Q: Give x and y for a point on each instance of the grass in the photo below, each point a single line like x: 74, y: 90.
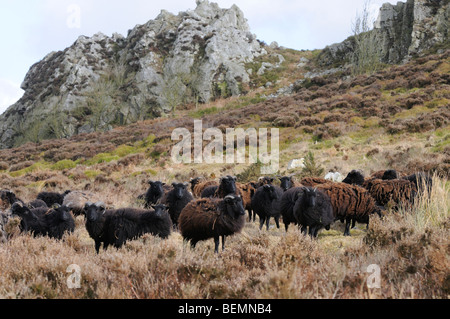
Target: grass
x: 256, y: 264
x: 410, y: 246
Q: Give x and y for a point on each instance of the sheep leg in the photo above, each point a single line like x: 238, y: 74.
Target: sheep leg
x: 347, y: 227
x: 286, y: 226
x: 97, y: 246
x: 277, y: 221
x: 268, y: 222
x: 223, y: 243
x: 304, y: 230
x: 314, y: 231
x: 216, y: 244
x: 261, y: 222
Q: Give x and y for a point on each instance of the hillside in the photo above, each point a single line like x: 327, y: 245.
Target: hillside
x: 397, y: 117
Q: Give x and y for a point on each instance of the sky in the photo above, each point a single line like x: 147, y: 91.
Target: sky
x: 29, y: 30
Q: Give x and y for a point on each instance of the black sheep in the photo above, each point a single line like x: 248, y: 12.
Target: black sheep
x: 96, y: 216
x: 287, y: 204
x: 355, y: 177
x: 226, y: 187
x: 212, y: 218
x: 52, y: 222
x: 265, y: 204
x: 155, y: 193
x: 422, y: 181
x: 7, y: 199
x: 313, y: 210
x: 131, y: 223
x: 51, y: 198
x: 390, y: 174
x: 176, y: 200
x: 288, y: 182
x: 37, y: 203
x: 209, y: 192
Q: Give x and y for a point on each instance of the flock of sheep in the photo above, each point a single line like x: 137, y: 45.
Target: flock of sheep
x: 204, y: 209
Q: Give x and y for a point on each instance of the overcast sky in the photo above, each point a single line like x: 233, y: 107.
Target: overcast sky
x: 29, y: 30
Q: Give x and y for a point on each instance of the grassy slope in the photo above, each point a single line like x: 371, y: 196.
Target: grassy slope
x: 396, y: 118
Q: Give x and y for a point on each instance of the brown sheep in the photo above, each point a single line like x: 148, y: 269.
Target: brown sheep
x: 265, y: 180
x: 212, y: 218
x: 247, y: 191
x: 399, y: 191
x: 198, y: 186
x: 351, y: 203
x: 313, y: 181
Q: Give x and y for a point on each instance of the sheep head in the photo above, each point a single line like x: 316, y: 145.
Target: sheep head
x: 179, y: 189
x: 228, y: 184
x: 61, y: 212
x: 286, y: 182
x: 270, y: 190
x: 234, y: 206
x: 354, y: 178
x: 157, y: 187
x: 22, y: 211
x: 310, y: 196
x: 160, y: 210
x: 94, y: 211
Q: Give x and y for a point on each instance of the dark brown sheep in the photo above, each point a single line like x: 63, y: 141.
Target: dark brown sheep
x: 350, y: 203
x: 212, y: 218
x: 197, y: 186
x: 399, y: 191
x: 313, y: 181
x: 265, y: 180
x: 248, y: 191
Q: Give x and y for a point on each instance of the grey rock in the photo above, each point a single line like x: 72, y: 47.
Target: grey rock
x: 401, y: 31
x: 101, y: 81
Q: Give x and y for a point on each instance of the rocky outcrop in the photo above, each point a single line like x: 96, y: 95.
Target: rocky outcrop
x: 102, y: 81
x: 401, y: 31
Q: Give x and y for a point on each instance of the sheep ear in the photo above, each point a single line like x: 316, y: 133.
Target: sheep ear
x: 18, y: 204
x: 150, y: 182
x: 101, y: 205
x: 87, y: 205
x: 228, y: 199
